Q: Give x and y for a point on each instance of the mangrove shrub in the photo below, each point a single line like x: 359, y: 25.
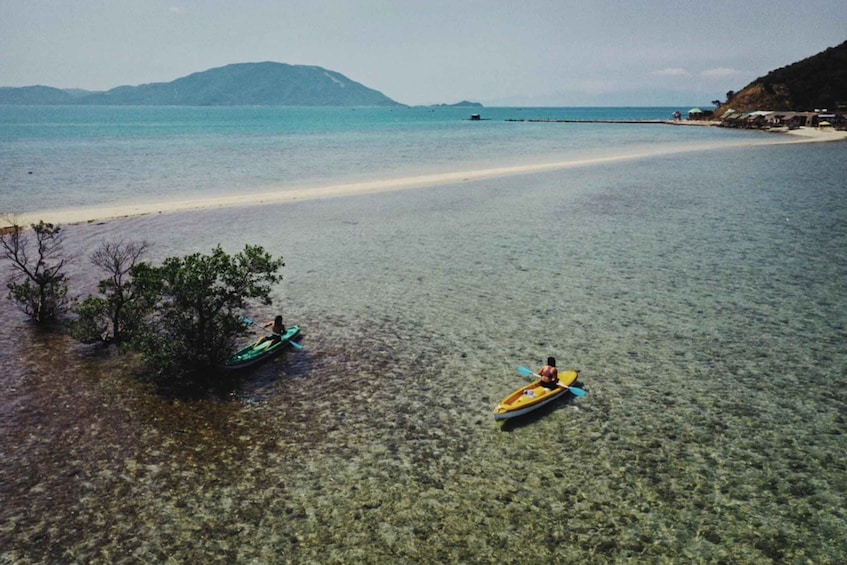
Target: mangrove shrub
x: 120, y: 312
x: 37, y: 283
x: 197, y: 316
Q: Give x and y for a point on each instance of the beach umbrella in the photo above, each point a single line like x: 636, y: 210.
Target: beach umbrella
x: 695, y: 111
x: 824, y: 123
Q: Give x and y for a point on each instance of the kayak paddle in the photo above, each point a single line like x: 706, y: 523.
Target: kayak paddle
x: 530, y: 373
x: 250, y: 322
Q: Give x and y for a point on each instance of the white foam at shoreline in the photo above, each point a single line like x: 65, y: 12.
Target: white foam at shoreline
x: 102, y: 213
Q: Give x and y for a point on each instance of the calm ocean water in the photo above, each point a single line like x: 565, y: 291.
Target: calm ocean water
x: 72, y: 157
x: 701, y: 294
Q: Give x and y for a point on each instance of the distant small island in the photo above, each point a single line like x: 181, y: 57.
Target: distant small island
x: 462, y: 104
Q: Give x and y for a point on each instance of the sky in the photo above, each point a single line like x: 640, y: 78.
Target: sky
x: 421, y: 52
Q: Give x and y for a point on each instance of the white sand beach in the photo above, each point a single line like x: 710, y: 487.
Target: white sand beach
x: 806, y: 133
x: 282, y: 194
x: 818, y: 134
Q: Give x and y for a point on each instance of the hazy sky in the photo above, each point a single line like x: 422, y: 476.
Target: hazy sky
x: 498, y: 52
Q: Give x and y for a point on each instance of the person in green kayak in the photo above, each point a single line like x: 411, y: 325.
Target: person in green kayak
x: 549, y: 374
x: 277, y: 329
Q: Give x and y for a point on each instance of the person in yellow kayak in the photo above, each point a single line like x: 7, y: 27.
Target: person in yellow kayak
x: 549, y: 374
x: 277, y: 329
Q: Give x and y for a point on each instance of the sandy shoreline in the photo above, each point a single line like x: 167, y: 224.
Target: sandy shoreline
x: 809, y: 134
x: 104, y: 213
x: 818, y: 134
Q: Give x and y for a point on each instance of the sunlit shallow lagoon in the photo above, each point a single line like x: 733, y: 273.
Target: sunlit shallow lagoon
x: 701, y: 296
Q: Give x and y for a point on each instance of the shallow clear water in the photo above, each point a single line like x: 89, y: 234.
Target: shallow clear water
x: 702, y: 298
x: 76, y: 157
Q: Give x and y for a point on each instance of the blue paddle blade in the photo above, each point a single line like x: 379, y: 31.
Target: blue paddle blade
x: 294, y: 344
x: 577, y: 391
x: 247, y: 321
x: 526, y: 372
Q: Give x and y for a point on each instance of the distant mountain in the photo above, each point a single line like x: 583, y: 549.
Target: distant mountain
x: 819, y: 81
x: 35, y: 95
x: 242, y: 84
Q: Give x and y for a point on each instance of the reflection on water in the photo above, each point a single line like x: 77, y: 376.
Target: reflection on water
x: 703, y: 305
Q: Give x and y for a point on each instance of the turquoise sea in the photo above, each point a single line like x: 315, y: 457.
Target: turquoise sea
x: 71, y: 157
x: 698, y: 285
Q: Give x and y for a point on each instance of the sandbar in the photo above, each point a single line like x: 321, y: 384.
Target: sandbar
x: 289, y: 195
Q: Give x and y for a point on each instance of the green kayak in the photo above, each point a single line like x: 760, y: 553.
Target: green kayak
x: 253, y: 353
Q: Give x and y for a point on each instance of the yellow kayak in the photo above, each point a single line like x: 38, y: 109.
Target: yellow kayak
x: 533, y: 396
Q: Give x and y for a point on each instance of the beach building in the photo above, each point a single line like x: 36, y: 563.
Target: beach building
x: 700, y: 114
x: 769, y: 119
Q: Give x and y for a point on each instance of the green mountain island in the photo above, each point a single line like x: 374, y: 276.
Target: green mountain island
x: 817, y: 82
x: 241, y: 84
